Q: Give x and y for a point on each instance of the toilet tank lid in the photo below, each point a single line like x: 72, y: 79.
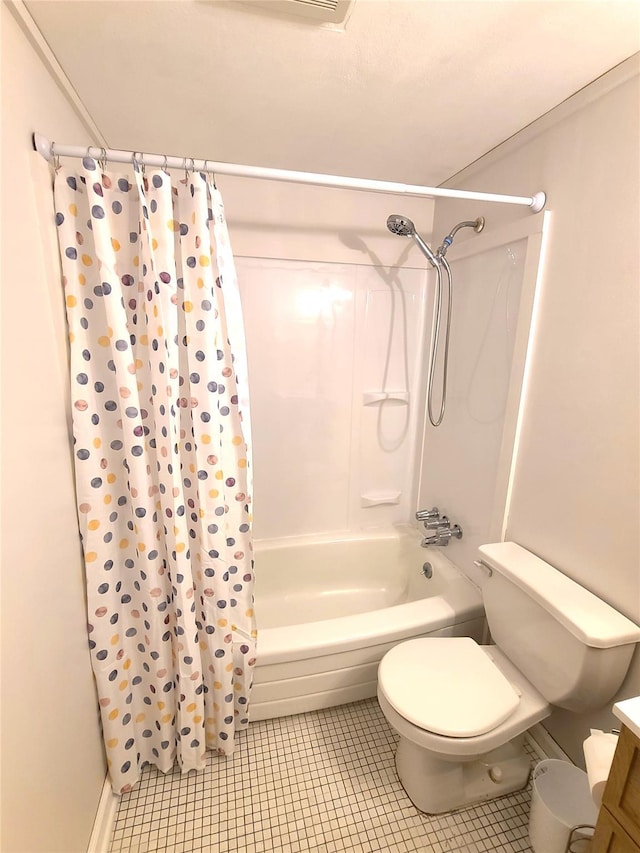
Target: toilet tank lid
x: 587, y: 617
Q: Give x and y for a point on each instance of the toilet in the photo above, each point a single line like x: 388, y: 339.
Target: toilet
x: 461, y: 709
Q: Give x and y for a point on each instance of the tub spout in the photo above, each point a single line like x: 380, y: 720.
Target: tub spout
x: 434, y: 540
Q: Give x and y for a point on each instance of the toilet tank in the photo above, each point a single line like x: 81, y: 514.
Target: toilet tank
x: 572, y: 646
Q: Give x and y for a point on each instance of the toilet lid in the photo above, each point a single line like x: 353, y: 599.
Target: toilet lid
x: 448, y: 686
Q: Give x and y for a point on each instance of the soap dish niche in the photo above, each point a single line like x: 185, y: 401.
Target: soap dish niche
x: 378, y: 498
x: 371, y: 398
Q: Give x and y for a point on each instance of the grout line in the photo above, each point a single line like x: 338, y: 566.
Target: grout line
x: 323, y: 782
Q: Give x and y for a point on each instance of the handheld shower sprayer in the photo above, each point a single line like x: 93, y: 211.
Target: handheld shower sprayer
x: 404, y: 227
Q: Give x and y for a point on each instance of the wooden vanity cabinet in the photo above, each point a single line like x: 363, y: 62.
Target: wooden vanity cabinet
x: 618, y: 826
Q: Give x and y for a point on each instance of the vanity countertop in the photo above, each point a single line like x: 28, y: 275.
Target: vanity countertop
x: 628, y: 711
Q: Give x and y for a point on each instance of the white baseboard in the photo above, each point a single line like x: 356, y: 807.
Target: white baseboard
x: 105, y: 819
x: 544, y: 744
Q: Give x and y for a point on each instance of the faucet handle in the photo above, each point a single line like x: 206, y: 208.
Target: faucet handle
x: 440, y: 523
x: 442, y: 536
x: 424, y: 514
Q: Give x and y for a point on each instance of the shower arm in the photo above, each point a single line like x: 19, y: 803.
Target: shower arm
x: 476, y: 224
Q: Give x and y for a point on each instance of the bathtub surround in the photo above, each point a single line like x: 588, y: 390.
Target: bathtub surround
x: 339, y: 366
x: 497, y: 277
x: 322, y: 782
x: 161, y: 462
x: 335, y: 371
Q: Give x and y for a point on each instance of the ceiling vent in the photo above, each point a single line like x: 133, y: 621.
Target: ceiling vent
x: 332, y: 12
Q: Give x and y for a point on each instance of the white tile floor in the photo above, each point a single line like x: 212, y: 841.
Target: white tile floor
x: 323, y: 782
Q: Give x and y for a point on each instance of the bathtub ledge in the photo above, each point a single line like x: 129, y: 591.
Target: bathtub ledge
x: 461, y: 602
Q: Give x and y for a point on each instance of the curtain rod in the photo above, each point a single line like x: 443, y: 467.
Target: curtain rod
x: 51, y: 150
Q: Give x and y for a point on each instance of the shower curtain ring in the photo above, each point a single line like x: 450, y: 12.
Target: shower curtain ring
x: 55, y: 159
x: 138, y: 162
x: 211, y: 172
x: 164, y: 165
x: 207, y: 171
x: 102, y: 162
x: 186, y: 168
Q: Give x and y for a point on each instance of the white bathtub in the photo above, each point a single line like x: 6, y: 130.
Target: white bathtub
x: 328, y: 609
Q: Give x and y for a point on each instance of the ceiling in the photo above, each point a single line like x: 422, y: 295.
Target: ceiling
x: 410, y: 90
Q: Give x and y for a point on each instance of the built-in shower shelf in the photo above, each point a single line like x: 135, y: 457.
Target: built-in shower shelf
x: 378, y: 498
x: 370, y: 398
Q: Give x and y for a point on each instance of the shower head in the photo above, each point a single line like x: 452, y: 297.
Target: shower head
x: 404, y: 227
x: 400, y: 225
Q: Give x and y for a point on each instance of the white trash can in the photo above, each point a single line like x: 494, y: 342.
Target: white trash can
x: 560, y: 800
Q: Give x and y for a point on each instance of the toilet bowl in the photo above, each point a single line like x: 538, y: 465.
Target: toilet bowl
x: 461, y: 723
x: 461, y: 710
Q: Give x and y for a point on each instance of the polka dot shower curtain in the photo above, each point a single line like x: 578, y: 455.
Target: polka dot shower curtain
x: 161, y: 462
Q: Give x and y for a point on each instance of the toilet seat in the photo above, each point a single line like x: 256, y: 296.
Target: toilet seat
x: 448, y: 686
x: 531, y: 709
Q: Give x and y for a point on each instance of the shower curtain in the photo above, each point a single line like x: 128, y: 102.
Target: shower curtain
x: 161, y: 456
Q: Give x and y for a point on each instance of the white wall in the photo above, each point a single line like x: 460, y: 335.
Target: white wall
x: 576, y: 490
x: 52, y: 761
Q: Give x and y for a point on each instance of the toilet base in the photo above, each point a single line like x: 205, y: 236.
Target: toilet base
x: 435, y: 786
